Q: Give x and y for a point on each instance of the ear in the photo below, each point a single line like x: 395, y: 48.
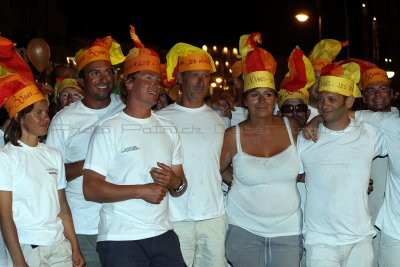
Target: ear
x: 349, y: 101
x: 128, y: 83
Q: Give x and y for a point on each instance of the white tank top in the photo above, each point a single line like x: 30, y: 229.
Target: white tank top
x: 263, y: 198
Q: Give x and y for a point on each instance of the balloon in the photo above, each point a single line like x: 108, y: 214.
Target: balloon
x: 38, y: 53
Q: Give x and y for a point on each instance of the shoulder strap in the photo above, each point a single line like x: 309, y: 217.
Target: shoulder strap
x: 237, y: 131
x: 289, y: 129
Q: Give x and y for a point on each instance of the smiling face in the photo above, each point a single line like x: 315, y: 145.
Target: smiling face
x: 97, y: 82
x: 260, y: 101
x: 35, y: 123
x: 333, y: 108
x: 377, y: 96
x: 144, y: 88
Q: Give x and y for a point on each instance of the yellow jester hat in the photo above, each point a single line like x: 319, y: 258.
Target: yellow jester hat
x: 184, y: 57
x: 258, y: 65
x: 325, y: 52
x: 340, y: 79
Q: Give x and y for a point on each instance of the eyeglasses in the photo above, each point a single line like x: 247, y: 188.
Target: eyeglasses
x: 291, y: 108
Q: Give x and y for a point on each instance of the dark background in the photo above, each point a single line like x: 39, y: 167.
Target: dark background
x: 68, y: 25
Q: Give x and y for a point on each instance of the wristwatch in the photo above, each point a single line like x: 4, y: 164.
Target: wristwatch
x: 180, y: 187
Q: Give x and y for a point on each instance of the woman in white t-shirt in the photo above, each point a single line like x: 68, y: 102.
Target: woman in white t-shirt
x: 35, y: 218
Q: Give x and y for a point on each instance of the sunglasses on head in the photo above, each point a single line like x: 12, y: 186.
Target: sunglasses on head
x: 291, y: 108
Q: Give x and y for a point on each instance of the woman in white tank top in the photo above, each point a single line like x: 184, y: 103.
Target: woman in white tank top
x: 263, y: 204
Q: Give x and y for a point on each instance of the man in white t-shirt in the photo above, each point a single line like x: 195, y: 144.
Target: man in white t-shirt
x: 337, y: 224
x: 322, y: 54
x: 199, y: 215
x: 388, y: 218
x: 133, y: 166
x: 377, y: 95
x: 70, y: 131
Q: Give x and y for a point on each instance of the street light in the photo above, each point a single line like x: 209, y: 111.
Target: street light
x: 389, y: 72
x: 302, y: 17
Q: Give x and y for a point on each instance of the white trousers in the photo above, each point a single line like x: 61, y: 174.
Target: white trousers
x: 203, y: 242
x: 359, y: 254
x: 389, y: 251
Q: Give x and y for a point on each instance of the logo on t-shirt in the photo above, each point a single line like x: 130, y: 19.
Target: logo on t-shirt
x: 52, y: 170
x: 130, y: 148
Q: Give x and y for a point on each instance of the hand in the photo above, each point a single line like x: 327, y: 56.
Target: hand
x: 224, y: 104
x: 310, y: 131
x: 226, y: 110
x: 154, y: 193
x: 165, y: 176
x: 227, y: 105
x: 77, y: 259
x: 370, y: 185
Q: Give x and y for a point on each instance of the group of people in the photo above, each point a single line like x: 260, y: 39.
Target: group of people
x: 133, y: 180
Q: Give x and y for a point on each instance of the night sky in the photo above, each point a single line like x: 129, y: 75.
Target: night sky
x: 217, y: 22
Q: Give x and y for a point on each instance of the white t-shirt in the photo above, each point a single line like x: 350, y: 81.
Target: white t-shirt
x: 3, y: 252
x: 301, y: 187
x: 337, y: 169
x: 313, y: 112
x: 388, y: 123
x: 69, y: 132
x: 34, y: 175
x: 1, y: 138
x: 202, y: 133
x: 124, y: 149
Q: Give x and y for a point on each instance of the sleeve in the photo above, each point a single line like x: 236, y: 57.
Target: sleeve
x: 380, y: 144
x: 299, y: 146
x: 56, y: 135
x: 101, y: 151
x: 5, y: 173
x: 387, y: 122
